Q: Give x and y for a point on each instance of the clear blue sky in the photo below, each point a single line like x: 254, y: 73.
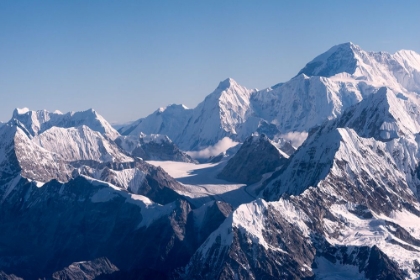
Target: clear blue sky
x: 127, y: 58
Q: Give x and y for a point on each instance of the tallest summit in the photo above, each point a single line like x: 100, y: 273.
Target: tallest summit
x: 340, y: 58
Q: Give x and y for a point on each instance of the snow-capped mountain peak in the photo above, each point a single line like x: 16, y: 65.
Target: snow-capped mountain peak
x: 222, y: 112
x: 228, y: 92
x: 399, y: 71
x: 225, y: 84
x: 338, y: 59
x: 172, y: 108
x: 20, y: 111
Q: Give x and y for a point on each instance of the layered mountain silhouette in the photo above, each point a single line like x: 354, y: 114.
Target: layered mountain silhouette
x: 81, y: 200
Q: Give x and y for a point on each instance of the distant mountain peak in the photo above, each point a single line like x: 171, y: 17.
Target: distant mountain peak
x: 228, y: 83
x: 338, y: 59
x: 172, y: 108
x: 38, y: 121
x: 21, y: 111
x: 399, y: 71
x: 89, y: 111
x: 343, y: 48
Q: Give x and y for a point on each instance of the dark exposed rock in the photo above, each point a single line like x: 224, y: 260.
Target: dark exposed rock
x: 85, y: 270
x: 155, y: 183
x: 165, y: 150
x: 371, y: 262
x: 215, y: 212
x: 4, y: 276
x: 256, y: 157
x: 82, y: 220
x: 152, y: 147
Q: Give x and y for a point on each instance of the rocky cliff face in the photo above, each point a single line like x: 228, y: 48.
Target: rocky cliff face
x: 86, y: 270
x: 48, y: 228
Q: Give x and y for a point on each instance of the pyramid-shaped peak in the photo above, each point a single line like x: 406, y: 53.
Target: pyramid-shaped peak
x: 228, y: 83
x: 340, y: 49
x: 349, y: 45
x: 338, y: 59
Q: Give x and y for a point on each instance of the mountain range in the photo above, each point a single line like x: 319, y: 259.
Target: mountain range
x: 81, y: 200
x: 322, y: 90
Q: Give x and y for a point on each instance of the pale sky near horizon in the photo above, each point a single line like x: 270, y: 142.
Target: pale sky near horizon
x: 128, y: 58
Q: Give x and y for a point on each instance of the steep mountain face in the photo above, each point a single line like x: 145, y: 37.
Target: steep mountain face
x: 152, y: 147
x: 222, y: 113
x: 305, y: 102
x: 347, y: 201
x: 86, y: 270
x: 257, y: 156
x: 79, y: 143
x: 383, y: 125
x: 281, y: 245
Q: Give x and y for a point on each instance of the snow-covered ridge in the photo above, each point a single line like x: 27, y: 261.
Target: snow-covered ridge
x: 169, y: 120
x: 42, y: 146
x: 38, y: 121
x: 322, y: 90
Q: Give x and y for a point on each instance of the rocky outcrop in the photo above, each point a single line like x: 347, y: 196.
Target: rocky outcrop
x: 152, y: 147
x: 86, y: 270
